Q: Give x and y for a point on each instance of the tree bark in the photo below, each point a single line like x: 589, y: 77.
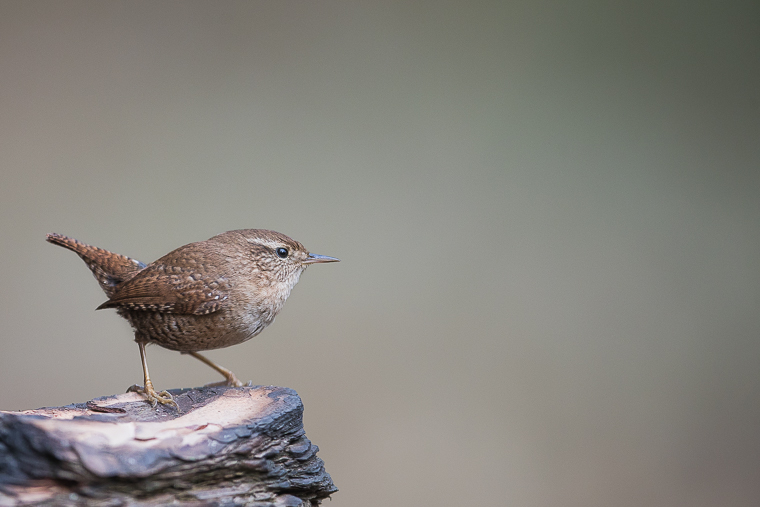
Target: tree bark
x: 228, y: 446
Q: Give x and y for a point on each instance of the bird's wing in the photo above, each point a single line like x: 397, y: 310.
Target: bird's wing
x: 171, y: 289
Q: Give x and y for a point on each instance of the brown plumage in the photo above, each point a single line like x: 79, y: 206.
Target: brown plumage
x: 202, y: 296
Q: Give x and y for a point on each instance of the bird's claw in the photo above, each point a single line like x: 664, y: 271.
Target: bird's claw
x: 230, y: 381
x: 153, y: 397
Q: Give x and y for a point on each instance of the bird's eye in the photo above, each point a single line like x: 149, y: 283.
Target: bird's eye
x: 282, y: 252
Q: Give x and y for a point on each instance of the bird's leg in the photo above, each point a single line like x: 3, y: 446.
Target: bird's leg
x: 150, y: 394
x: 231, y: 379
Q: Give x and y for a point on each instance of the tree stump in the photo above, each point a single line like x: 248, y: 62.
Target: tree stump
x: 228, y: 446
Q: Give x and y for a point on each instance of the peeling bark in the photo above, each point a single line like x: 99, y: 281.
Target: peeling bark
x: 229, y: 446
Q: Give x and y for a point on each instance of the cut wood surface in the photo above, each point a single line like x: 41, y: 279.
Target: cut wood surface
x: 228, y: 446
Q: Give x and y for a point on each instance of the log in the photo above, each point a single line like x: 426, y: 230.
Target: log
x: 228, y: 446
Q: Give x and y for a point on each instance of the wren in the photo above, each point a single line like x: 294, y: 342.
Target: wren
x: 202, y: 296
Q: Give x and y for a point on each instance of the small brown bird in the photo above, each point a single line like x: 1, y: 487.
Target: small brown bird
x: 202, y: 296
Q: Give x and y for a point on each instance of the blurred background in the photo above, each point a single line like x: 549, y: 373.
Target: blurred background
x: 548, y: 216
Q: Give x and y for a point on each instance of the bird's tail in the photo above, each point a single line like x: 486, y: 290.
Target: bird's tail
x: 109, y: 268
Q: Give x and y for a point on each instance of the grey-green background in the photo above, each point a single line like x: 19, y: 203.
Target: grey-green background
x: 548, y: 215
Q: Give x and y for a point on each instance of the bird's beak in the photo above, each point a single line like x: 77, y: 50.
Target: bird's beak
x: 316, y: 258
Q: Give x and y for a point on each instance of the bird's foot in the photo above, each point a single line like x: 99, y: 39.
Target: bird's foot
x: 154, y: 397
x: 230, y: 381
